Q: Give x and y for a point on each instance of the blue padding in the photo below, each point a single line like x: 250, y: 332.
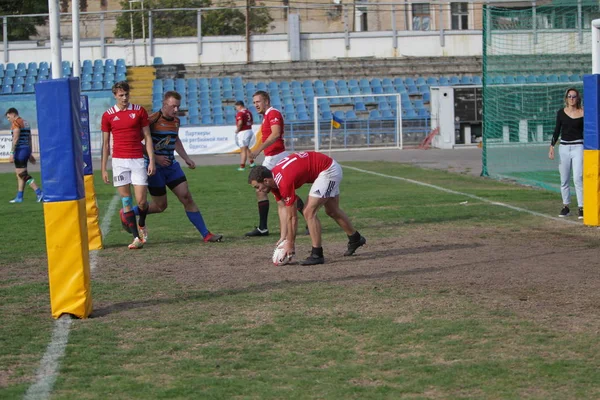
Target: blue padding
x: 591, y: 122
x: 85, y: 136
x: 59, y: 128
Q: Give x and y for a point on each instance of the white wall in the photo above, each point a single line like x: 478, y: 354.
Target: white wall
x: 265, y: 48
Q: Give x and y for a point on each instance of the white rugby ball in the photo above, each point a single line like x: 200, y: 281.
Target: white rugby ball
x: 279, y: 256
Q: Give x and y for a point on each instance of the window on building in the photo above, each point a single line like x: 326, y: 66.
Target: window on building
x: 421, y: 20
x: 460, y: 15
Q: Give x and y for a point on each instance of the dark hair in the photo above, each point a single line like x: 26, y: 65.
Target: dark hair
x: 578, y: 104
x: 239, y: 103
x: 264, y: 94
x: 173, y: 94
x: 11, y: 110
x: 259, y: 174
x: 120, y: 85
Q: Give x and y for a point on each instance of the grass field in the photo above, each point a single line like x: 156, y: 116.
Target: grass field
x: 452, y: 298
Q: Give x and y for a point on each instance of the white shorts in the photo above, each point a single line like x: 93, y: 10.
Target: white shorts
x: 271, y: 161
x: 243, y: 138
x: 327, y: 183
x: 129, y: 170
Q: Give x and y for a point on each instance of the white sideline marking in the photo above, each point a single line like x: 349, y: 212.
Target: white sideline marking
x: 472, y: 196
x: 48, y: 370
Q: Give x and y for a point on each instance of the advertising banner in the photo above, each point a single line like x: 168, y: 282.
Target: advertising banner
x: 211, y: 139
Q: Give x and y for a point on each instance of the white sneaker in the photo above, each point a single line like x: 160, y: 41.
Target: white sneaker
x: 143, y: 231
x: 136, y: 244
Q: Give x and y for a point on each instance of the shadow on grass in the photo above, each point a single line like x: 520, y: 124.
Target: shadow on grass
x: 259, y: 288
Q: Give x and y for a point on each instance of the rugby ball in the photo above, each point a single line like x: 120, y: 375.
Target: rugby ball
x: 279, y: 256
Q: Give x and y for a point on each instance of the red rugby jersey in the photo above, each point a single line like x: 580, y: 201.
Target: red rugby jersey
x: 246, y: 117
x: 295, y: 170
x: 272, y: 117
x: 126, y: 129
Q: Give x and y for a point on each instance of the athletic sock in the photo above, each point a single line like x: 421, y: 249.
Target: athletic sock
x: 136, y: 210
x: 242, y: 165
x: 300, y: 205
x: 196, y: 219
x: 355, y: 237
x: 19, y: 195
x: 317, y: 251
x: 130, y: 218
x: 263, y: 214
x: 38, y: 191
x: 143, y: 213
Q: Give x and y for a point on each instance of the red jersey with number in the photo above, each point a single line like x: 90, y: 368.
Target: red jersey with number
x: 246, y: 117
x: 126, y: 129
x: 272, y: 117
x: 295, y: 170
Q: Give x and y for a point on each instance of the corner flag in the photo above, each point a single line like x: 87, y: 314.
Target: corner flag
x: 336, y: 122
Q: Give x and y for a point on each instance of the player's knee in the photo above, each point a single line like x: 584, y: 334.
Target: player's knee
x: 24, y: 175
x: 186, y: 198
x: 143, y: 204
x: 160, y: 205
x: 332, y: 213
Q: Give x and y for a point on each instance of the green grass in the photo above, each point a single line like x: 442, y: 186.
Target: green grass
x: 336, y: 332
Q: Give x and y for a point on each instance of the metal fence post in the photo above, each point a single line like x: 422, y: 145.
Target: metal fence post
x: 199, y: 25
x: 394, y: 31
x: 441, y: 16
x: 346, y: 33
x: 5, y: 37
x: 102, y: 37
x: 150, y: 33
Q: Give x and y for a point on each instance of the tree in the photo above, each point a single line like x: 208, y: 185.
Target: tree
x: 230, y: 21
x: 20, y: 28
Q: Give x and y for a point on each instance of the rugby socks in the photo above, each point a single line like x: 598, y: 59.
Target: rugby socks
x: 136, y: 210
x: 19, y: 195
x: 263, y: 214
x: 300, y: 205
x: 38, y: 191
x: 242, y: 165
x: 130, y: 218
x: 317, y: 251
x: 196, y: 219
x: 142, y: 213
x: 355, y: 237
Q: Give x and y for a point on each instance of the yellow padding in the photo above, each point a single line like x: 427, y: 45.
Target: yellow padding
x: 591, y: 187
x: 68, y: 258
x: 91, y: 207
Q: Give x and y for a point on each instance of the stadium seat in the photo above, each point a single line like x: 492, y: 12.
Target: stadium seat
x: 196, y: 121
x: 387, y: 114
x: 426, y: 97
x: 360, y: 106
x: 444, y: 81
x: 389, y: 89
x: 120, y: 76
x: 531, y: 79
x: 6, y: 89
x: 424, y: 113
x: 22, y: 72
x: 374, y: 114
x: 378, y: 90
x: 383, y: 105
x: 19, y: 80
x: 350, y: 115
x: 157, y: 61
x: 237, y: 82
x: 97, y: 86
x: 326, y: 115
x: 541, y: 79
x: 182, y: 119
x: 307, y: 84
x: 575, y: 78
x: 508, y: 79
x: 477, y: 80
x: 339, y: 114
x: 454, y: 80
x: 552, y: 78
x: 28, y: 88
x: 432, y: 81
x: 352, y: 83
x: 466, y: 80
x: 218, y: 119
x: 18, y: 89
x: 420, y: 81
x: 303, y: 116
x: 108, y: 85
x: 8, y: 81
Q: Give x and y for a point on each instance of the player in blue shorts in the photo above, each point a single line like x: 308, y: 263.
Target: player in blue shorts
x: 164, y: 127
x: 20, y: 154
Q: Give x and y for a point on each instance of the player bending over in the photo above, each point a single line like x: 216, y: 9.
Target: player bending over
x: 291, y: 173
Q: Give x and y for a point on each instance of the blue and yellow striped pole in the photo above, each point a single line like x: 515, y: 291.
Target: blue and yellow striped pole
x: 591, y: 150
x: 93, y: 227
x: 61, y: 158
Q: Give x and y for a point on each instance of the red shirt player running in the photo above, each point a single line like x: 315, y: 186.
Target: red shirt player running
x: 291, y: 173
x: 128, y: 124
x: 243, y: 133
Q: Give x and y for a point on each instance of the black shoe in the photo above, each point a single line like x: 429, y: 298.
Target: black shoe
x: 258, y: 232
x: 313, y: 259
x: 580, y: 215
x: 565, y: 212
x: 352, y: 246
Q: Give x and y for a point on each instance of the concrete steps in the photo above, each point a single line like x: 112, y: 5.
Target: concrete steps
x: 339, y: 69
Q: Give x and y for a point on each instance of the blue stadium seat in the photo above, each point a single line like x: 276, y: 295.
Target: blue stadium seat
x: 387, y: 114
x: 21, y: 65
x: 509, y: 79
x: 389, y: 89
x: 109, y: 62
x: 157, y: 61
x: 350, y: 115
x: 363, y: 83
x: 326, y: 115
x: 541, y: 79
x: 339, y: 114
x: 295, y: 85
x: 454, y: 80
x: 383, y: 105
x: 552, y: 78
x: 496, y: 80
x: 575, y: 78
x: 477, y: 80
x: 431, y: 81
x: 10, y: 67
x: 378, y: 90
x: 409, y: 81
x: 360, y: 106
x: 413, y: 90
x: 1, y: 70
x: 120, y: 76
x: 6, y: 89
x: 444, y: 81
x: 250, y: 87
x: 426, y: 98
x: 237, y: 82
x: 22, y: 72
x: 374, y: 114
x: 352, y: 83
x: 420, y: 81
x: 261, y: 86
x: 18, y: 89
x: 273, y: 86
x: 531, y: 79
x: 218, y: 119
x: 196, y: 121
x: 86, y: 63
x: 330, y: 83
x: 466, y: 80
x: 28, y: 88
x: 230, y: 119
x: 424, y: 113
x: 301, y: 108
x: 108, y: 85
x: 303, y: 116
x: 97, y: 63
x: 284, y: 85
x: 182, y: 119
x: 409, y: 113
x: 193, y: 110
x: 97, y: 85
x: 19, y: 80
x: 8, y: 81
x: 307, y: 84
x: 121, y: 69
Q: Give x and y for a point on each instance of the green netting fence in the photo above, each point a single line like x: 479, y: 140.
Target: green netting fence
x: 531, y: 56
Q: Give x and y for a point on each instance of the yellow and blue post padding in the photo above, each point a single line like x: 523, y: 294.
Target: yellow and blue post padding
x: 61, y: 159
x: 591, y: 150
x: 91, y: 206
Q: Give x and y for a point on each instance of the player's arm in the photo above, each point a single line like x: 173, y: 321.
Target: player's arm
x: 183, y: 154
x: 16, y: 134
x: 291, y: 216
x: 557, y: 129
x: 273, y: 137
x: 105, y: 152
x: 239, y: 123
x: 149, y: 149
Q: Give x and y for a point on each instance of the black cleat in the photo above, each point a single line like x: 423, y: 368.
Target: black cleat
x: 580, y: 214
x: 313, y: 260
x: 352, y: 246
x: 258, y: 232
x: 565, y: 212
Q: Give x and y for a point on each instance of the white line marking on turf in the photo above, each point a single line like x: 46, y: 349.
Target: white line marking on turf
x: 48, y: 370
x: 472, y: 196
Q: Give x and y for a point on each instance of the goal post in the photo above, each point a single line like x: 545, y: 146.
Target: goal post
x: 369, y: 121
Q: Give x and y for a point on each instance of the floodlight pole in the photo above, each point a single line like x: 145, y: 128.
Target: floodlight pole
x: 595, y: 46
x: 75, y: 29
x: 54, y: 22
